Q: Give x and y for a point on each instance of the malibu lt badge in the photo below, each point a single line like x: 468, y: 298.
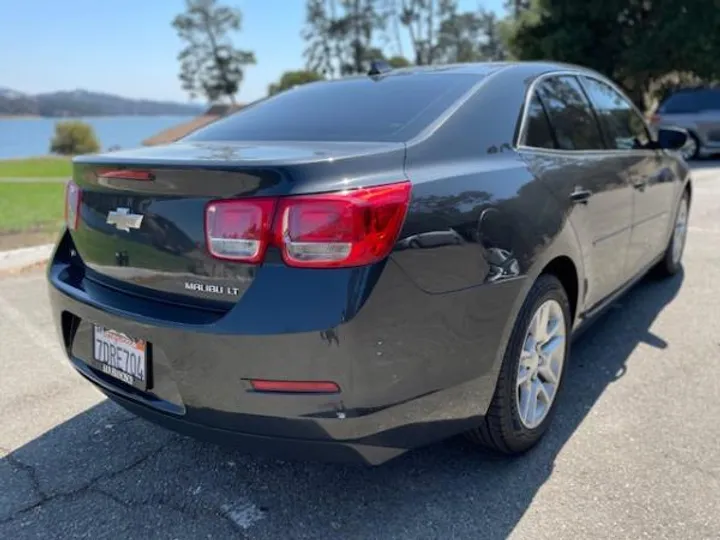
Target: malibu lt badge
x: 123, y: 219
x: 211, y: 289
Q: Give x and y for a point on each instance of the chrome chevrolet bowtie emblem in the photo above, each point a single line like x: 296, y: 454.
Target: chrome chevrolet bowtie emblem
x: 124, y: 220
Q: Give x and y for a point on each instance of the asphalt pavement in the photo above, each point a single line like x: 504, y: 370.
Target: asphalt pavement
x: 634, y: 451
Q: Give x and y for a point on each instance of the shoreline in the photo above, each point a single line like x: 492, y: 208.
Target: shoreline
x: 91, y: 116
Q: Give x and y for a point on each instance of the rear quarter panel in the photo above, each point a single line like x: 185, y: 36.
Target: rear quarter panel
x: 467, y: 178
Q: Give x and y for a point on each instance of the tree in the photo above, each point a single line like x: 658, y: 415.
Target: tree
x: 634, y: 43
x: 340, y: 35
x: 290, y: 79
x: 493, y: 46
x: 469, y: 37
x: 210, y: 64
x: 422, y: 18
x: 516, y: 7
x: 398, y: 61
x: 73, y: 137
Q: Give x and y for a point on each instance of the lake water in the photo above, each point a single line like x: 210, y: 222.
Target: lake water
x: 26, y: 137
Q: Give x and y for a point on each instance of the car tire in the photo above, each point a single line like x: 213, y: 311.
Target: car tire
x: 672, y: 259
x: 503, y: 428
x: 693, y: 150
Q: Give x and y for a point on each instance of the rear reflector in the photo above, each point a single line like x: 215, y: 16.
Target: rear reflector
x: 349, y: 228
x: 73, y: 196
x: 308, y: 387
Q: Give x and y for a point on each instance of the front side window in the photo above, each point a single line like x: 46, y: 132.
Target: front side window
x: 570, y: 114
x: 623, y: 127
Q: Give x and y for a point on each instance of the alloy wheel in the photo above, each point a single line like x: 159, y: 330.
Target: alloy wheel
x: 680, y: 232
x: 690, y: 149
x: 541, y: 364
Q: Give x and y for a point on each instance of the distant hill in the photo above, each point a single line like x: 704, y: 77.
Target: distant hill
x: 85, y: 103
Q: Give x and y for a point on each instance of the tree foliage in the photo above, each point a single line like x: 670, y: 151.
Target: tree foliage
x: 636, y: 43
x: 471, y: 36
x: 343, y: 36
x: 422, y: 19
x: 210, y: 65
x: 398, y: 61
x: 73, y: 137
x: 340, y: 35
x: 290, y: 79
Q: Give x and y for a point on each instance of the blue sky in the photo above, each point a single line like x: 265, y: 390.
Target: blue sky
x: 128, y: 47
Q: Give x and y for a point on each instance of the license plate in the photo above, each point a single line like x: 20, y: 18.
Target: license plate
x: 120, y: 356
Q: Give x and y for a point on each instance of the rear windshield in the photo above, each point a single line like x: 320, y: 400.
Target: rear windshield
x: 691, y: 102
x: 391, y: 109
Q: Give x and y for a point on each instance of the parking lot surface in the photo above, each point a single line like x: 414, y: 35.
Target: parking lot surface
x: 634, y: 451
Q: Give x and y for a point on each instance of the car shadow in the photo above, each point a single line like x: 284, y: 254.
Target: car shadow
x: 705, y: 163
x: 441, y: 491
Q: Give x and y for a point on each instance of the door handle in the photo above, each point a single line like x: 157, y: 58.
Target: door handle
x: 580, y: 195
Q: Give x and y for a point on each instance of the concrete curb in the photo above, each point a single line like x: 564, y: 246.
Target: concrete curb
x: 15, y: 259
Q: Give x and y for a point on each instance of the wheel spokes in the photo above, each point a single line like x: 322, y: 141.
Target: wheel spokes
x: 540, y: 363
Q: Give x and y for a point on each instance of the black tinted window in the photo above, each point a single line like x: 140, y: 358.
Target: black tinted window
x: 622, y: 125
x: 537, y: 129
x: 570, y: 114
x: 691, y: 102
x: 392, y: 109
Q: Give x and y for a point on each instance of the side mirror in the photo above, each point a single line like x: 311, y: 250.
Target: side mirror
x: 672, y: 138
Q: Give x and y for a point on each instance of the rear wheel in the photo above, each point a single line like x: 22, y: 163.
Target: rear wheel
x: 532, y: 372
x: 672, y: 260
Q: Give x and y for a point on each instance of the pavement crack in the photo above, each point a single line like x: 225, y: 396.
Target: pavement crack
x: 69, y: 495
x: 130, y: 466
x: 194, y: 513
x: 29, y: 470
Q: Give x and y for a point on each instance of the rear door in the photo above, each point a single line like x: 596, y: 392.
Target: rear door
x: 646, y: 169
x: 585, y: 177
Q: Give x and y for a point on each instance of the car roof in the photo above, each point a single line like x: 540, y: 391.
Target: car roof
x: 482, y: 69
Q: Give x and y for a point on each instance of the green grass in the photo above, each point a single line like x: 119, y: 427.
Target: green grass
x: 31, y: 206
x: 39, y: 167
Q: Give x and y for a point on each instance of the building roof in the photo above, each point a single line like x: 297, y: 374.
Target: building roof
x: 179, y: 131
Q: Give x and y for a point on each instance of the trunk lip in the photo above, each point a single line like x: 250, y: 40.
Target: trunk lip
x: 200, y: 154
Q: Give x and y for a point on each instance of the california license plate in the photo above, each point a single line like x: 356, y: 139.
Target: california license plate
x: 120, y: 356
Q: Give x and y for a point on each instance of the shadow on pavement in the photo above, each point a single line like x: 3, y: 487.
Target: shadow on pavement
x: 705, y: 163
x: 106, y: 473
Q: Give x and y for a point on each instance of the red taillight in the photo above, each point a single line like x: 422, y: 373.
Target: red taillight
x: 352, y: 228
x: 125, y: 174
x: 73, y: 195
x: 317, y: 387
x: 239, y: 230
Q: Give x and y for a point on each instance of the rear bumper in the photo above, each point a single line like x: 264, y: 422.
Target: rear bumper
x: 413, y: 368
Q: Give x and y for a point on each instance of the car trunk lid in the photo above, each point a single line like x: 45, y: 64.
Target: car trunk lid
x: 141, y: 226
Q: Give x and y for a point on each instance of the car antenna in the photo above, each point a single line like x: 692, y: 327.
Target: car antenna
x: 378, y: 67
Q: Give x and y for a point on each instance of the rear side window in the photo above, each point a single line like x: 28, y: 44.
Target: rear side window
x: 538, y: 133
x: 570, y: 114
x: 390, y: 109
x: 693, y: 101
x: 623, y: 127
